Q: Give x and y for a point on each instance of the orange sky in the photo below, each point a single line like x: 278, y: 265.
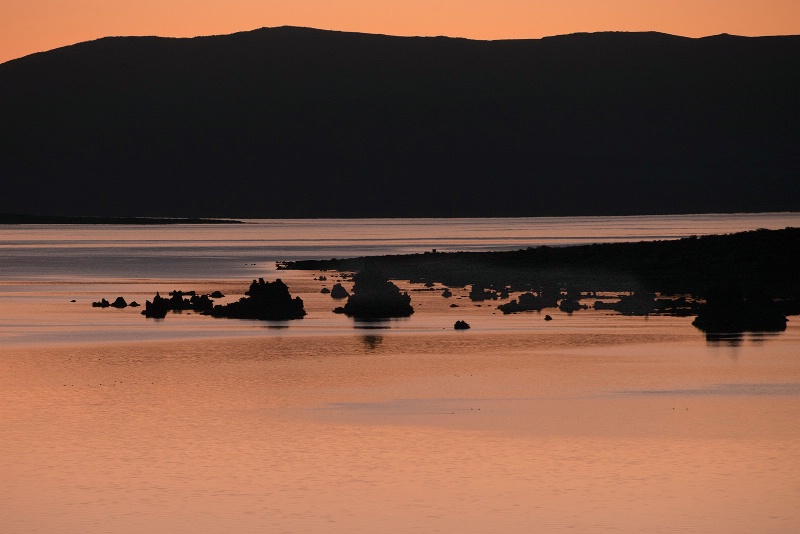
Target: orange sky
x: 28, y: 26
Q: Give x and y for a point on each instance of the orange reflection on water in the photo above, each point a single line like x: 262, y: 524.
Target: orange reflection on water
x: 384, y: 430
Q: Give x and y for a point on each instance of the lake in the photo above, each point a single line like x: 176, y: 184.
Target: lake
x: 591, y: 422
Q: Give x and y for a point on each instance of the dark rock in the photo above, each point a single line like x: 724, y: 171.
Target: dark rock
x: 637, y: 303
x: 119, y: 303
x: 527, y: 302
x: 103, y: 303
x: 447, y: 293
x: 571, y: 302
x: 479, y: 294
x: 570, y: 306
x: 134, y: 304
x: 266, y: 301
x: 374, y: 297
x: 461, y: 325
x: 454, y: 305
x: 548, y: 318
x: 158, y: 308
x: 729, y: 311
x: 339, y: 292
x: 550, y: 295
x: 73, y: 300
x: 339, y: 309
x: 216, y: 295
x: 201, y: 303
x: 325, y: 291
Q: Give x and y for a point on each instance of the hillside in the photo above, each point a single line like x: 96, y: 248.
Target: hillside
x: 293, y: 122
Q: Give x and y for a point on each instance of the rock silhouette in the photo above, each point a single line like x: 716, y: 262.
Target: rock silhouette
x: 461, y: 325
x: 158, y: 308
x: 525, y: 302
x: 266, y: 301
x: 339, y: 292
x: 731, y: 311
x: 479, y: 294
x: 374, y: 297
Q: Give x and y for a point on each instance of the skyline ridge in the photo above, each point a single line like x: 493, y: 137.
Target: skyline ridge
x: 452, y: 37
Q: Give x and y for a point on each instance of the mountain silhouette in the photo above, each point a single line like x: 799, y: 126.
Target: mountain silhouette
x: 296, y: 122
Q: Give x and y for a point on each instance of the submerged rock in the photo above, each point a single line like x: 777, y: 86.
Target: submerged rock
x: 266, y: 301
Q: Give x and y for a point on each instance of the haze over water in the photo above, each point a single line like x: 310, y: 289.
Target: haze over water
x: 588, y: 423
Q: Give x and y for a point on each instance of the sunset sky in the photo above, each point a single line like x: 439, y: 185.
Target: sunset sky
x: 28, y: 26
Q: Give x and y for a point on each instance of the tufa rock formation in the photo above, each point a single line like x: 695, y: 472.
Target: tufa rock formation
x: 266, y: 301
x: 374, y: 297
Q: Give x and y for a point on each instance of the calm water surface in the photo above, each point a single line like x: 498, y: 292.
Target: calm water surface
x: 588, y: 423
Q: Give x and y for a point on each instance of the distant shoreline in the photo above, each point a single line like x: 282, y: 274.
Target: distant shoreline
x: 13, y: 218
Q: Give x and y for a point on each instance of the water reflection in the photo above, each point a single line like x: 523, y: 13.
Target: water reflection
x: 372, y: 342
x: 736, y: 339
x: 729, y: 339
x: 372, y: 324
x: 757, y: 338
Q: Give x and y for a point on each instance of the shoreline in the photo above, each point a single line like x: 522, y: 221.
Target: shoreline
x: 15, y: 218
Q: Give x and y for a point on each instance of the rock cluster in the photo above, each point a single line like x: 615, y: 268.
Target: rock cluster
x: 119, y: 302
x: 159, y: 306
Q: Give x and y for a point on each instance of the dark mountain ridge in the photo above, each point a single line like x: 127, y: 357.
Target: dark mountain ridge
x: 294, y: 122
